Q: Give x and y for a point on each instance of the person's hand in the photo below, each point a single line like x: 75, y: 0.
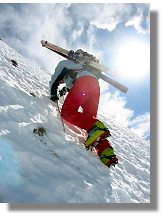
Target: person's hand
x: 54, y: 98
x: 63, y: 91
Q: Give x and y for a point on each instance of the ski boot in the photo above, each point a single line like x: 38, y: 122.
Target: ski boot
x: 97, y: 139
x: 106, y: 152
x: 98, y: 130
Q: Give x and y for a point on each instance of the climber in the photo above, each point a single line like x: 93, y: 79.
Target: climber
x: 84, y: 91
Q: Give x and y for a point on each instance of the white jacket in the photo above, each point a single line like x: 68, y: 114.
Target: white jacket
x: 71, y: 66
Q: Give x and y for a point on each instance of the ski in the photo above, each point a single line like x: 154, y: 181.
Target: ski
x: 86, y: 59
x: 114, y: 83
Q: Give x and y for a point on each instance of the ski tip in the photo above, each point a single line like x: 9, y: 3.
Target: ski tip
x: 125, y: 89
x: 43, y: 42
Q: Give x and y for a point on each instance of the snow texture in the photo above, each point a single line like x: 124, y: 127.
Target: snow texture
x: 56, y: 168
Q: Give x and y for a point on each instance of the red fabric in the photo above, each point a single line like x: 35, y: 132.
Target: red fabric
x: 85, y: 93
x: 103, y: 144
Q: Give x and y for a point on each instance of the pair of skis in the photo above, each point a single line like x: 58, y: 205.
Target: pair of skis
x: 85, y: 59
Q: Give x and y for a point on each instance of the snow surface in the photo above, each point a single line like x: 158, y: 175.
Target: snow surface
x: 56, y: 168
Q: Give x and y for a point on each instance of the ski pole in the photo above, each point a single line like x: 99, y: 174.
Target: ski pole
x: 60, y: 116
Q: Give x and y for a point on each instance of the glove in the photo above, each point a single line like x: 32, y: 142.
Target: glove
x: 63, y: 91
x: 54, y: 98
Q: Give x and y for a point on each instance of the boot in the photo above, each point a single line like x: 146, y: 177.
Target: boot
x: 106, y: 152
x: 98, y: 130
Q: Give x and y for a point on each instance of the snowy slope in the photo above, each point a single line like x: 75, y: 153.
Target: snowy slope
x: 56, y: 168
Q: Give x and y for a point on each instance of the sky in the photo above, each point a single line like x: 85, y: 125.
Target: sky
x: 118, y: 34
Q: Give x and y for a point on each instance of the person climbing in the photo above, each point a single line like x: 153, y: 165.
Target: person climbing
x: 84, y: 92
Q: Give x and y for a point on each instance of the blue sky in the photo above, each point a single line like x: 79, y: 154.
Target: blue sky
x: 116, y: 33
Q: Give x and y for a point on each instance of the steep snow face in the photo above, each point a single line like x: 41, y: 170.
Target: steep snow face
x: 55, y: 168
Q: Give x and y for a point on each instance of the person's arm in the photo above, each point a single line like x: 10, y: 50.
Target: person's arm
x: 57, y: 82
x: 61, y: 70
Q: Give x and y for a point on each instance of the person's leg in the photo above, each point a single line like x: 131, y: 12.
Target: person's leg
x: 85, y: 93
x: 90, y: 108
